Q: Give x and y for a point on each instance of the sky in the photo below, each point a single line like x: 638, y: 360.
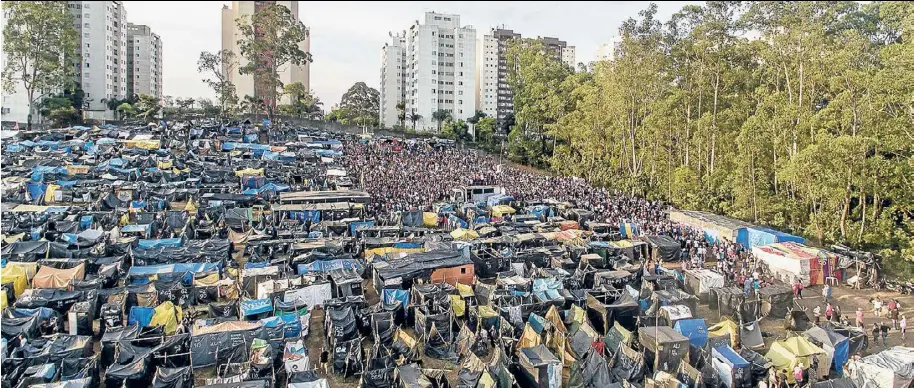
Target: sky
x: 346, y: 37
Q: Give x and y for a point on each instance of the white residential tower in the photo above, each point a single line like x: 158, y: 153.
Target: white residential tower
x: 144, y: 61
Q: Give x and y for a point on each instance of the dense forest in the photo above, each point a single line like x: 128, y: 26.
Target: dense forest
x: 796, y: 115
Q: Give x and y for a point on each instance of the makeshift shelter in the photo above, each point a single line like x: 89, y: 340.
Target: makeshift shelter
x: 788, y: 353
x: 226, y: 342
x: 890, y: 368
x: 49, y: 277
x: 664, y: 348
x: 754, y: 236
x: 694, y: 329
x: 790, y: 261
x: 699, y: 282
x: 663, y: 248
x: 733, y: 370
x: 834, y: 344
x: 715, y: 227
x: 541, y: 367
x: 15, y: 275
x: 776, y: 300
x: 461, y: 234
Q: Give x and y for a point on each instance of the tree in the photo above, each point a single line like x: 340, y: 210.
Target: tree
x: 485, y: 130
x: 184, y: 106
x: 414, y: 118
x: 39, y: 41
x: 209, y: 108
x: 302, y: 102
x: 218, y: 67
x: 252, y: 105
x: 457, y: 130
x: 147, y: 107
x: 270, y: 39
x: 58, y: 108
x: 440, y: 116
x: 362, y: 103
x: 125, y: 110
x: 401, y: 113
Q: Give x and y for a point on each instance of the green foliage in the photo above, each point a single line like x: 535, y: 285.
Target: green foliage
x: 485, y: 130
x: 456, y: 130
x: 252, y: 105
x: 414, y: 118
x: 218, y: 66
x: 360, y: 105
x: 302, y: 102
x: 39, y: 41
x: 125, y: 110
x: 270, y: 39
x: 807, y: 129
x: 440, y: 116
x: 147, y: 107
x: 540, y: 99
x: 59, y: 110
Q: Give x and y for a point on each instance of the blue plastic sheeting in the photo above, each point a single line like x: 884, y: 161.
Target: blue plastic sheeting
x: 406, y: 245
x: 70, y: 238
x: 541, y: 212
x: 599, y: 244
x: 138, y: 204
x: 712, y: 236
x: 330, y: 153
x: 328, y: 265
x: 391, y: 296
x: 734, y: 359
x: 256, y: 306
x: 481, y: 220
x: 757, y: 236
x: 172, y: 268
x: 313, y: 215
x: 461, y: 223
x: 498, y: 199
x: 41, y: 312
x: 628, y: 229
x: 543, y: 284
x: 162, y: 242
x: 356, y: 226
x: 262, y: 264
x: 289, y: 322
x: 694, y: 329
x: 66, y: 183
x: 228, y: 146
x: 140, y: 315
x: 548, y: 295
x: 36, y: 190
x: 136, y: 228
x: 537, y: 322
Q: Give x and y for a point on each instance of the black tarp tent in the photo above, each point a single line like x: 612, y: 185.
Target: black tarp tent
x: 663, y: 248
x: 776, y: 301
x: 664, y: 347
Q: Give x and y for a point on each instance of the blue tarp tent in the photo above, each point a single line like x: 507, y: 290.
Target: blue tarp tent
x: 628, y: 229
x: 157, y: 243
x: 537, y: 322
x: 187, y: 269
x: 328, y: 265
x: 694, y: 329
x: 354, y: 227
x: 757, y: 236
x: 734, y: 370
x: 543, y: 284
x: 391, y: 296
x: 256, y: 306
x: 140, y: 315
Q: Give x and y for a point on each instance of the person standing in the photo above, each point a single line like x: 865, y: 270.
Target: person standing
x: 877, y: 306
x: 826, y: 293
x: 903, y: 326
x: 829, y: 312
x: 859, y: 317
x: 893, y: 312
x: 817, y: 313
x: 876, y: 332
x: 885, y: 333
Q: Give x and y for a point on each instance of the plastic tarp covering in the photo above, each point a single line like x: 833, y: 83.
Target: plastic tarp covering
x: 168, y: 316
x: 667, y: 248
x: 342, y: 324
x: 312, y: 296
x: 694, y: 329
x: 181, y: 377
x: 392, y: 296
x: 835, y: 383
x: 17, y: 276
x: 329, y: 265
x: 140, y: 315
x: 754, y: 236
x: 794, y: 350
x: 59, y: 300
x: 415, y: 264
x: 890, y: 368
x: 227, y: 342
x: 256, y: 306
x: 776, y: 300
x: 628, y: 364
x: 835, y: 345
x: 429, y: 219
x: 24, y: 326
x: 412, y: 218
x: 665, y: 345
x: 733, y: 370
x: 701, y: 281
x: 49, y: 277
x: 77, y: 383
x: 162, y: 242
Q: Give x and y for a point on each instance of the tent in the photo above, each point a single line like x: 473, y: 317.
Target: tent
x: 890, y: 368
x: 699, y: 282
x: 541, y: 367
x: 50, y: 277
x: 461, y: 234
x: 664, y: 347
x: 664, y: 248
x: 788, y: 353
x: 789, y: 261
x: 725, y: 332
x: 754, y: 236
x: 17, y: 276
x: 168, y: 316
x: 835, y: 345
x: 734, y: 371
x: 776, y: 299
x: 715, y: 226
x: 694, y: 329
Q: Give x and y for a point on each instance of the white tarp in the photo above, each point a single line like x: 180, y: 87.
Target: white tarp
x: 785, y: 267
x: 313, y: 295
x: 890, y: 368
x: 707, y: 279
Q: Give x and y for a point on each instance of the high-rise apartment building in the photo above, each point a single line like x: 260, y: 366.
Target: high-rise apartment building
x: 102, y: 67
x: 607, y: 51
x: 393, y: 80
x: 495, y: 96
x: 144, y: 61
x: 440, y: 70
x: 244, y: 83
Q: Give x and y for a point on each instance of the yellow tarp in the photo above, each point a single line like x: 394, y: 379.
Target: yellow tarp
x: 50, y: 277
x: 501, y: 210
x: 429, y: 219
x: 30, y: 268
x: 464, y: 234
x: 388, y: 250
x: 2, y: 300
x: 190, y: 207
x: 465, y: 291
x: 458, y: 304
x: 249, y: 171
x: 16, y: 275
x: 529, y: 338
x: 555, y: 318
x: 167, y: 315
x: 49, y: 194
x: 726, y: 328
x: 75, y: 169
x: 792, y: 351
x: 148, y: 144
x: 13, y: 238
x: 164, y: 165
x: 487, y: 312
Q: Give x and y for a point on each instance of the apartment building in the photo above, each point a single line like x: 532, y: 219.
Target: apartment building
x: 102, y: 67
x: 438, y: 73
x: 607, y: 51
x: 393, y: 80
x: 144, y: 61
x: 495, y: 96
x: 288, y: 73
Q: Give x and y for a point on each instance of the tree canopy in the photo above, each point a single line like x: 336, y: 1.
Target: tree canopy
x: 361, y: 104
x: 795, y: 115
x: 217, y: 68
